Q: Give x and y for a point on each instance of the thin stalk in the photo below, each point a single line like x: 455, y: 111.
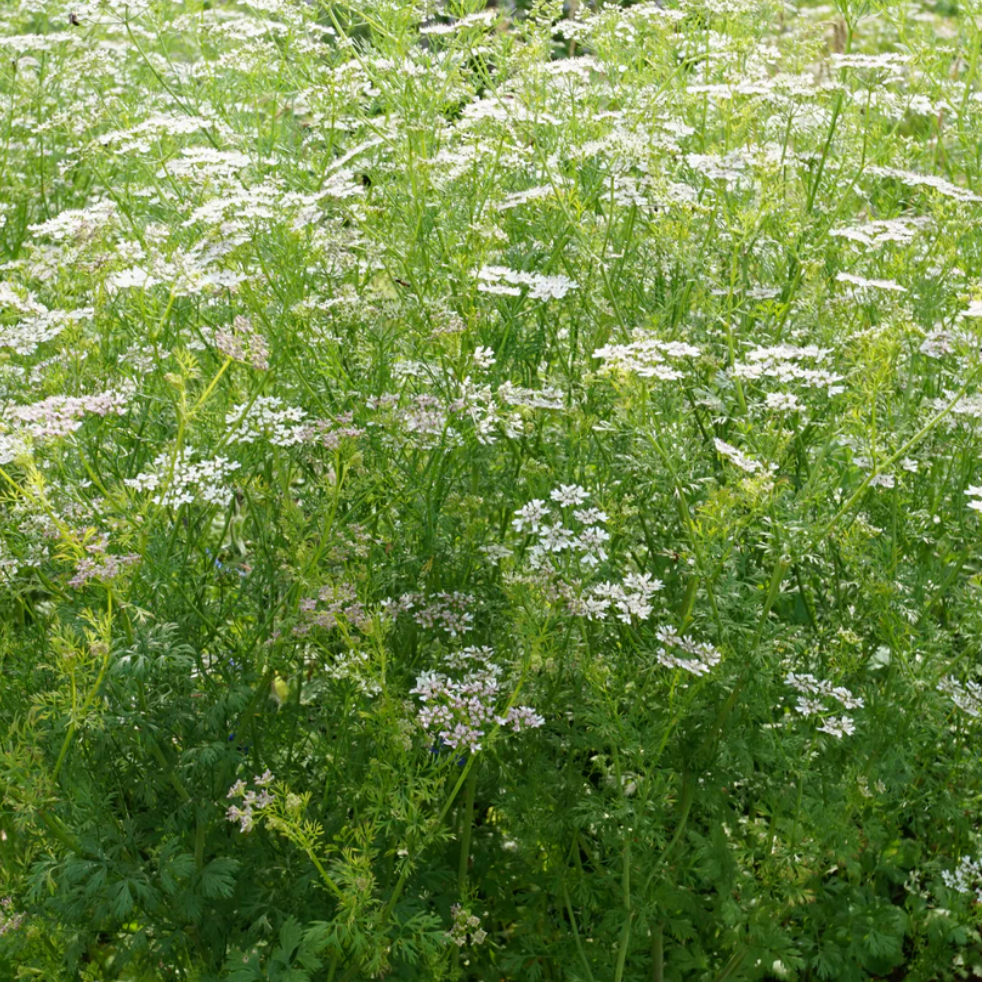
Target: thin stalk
x: 628, y: 912
x: 902, y: 452
x: 576, y: 933
x: 93, y: 692
x: 465, y: 840
x: 467, y: 820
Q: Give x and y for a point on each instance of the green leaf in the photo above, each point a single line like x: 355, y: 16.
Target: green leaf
x: 217, y: 878
x: 120, y: 899
x: 291, y: 935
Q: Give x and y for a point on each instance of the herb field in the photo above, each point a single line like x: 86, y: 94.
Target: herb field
x: 490, y: 494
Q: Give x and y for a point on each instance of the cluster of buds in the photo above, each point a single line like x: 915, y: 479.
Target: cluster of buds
x: 466, y: 927
x: 252, y: 801
x: 9, y: 921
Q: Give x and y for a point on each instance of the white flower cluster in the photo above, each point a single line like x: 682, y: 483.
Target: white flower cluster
x: 197, y: 271
x: 509, y: 282
x: 100, y: 564
x: 424, y: 418
x: 21, y: 300
x: 876, y: 234
x: 580, y: 535
x: 965, y: 878
x: 58, y: 416
x: 252, y: 801
x: 967, y: 408
x: 729, y: 168
x: 862, y: 784
x: 967, y: 696
x: 335, y: 604
x: 478, y: 403
x: 518, y: 198
x: 483, y: 357
x: 181, y: 481
x: 913, y: 180
x: 548, y: 397
x: 142, y: 137
x: 243, y: 343
x: 941, y: 341
x: 355, y: 666
x: 632, y: 146
x: 782, y: 402
x: 28, y: 548
x: 10, y: 920
x: 783, y: 364
x: 431, y: 420
x: 445, y: 611
x: 646, y: 356
x: 807, y: 684
x: 626, y: 600
x: 460, y: 711
x: 737, y: 457
x: 12, y: 446
x: 77, y: 223
x: 37, y: 323
x: 483, y: 18
x: 586, y: 542
x: 885, y: 60
x: 813, y: 691
x: 697, y: 657
x: 466, y: 926
x: 267, y: 419
x: 838, y: 726
x: 864, y: 284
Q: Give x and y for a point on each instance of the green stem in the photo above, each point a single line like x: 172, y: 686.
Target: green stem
x: 628, y: 912
x: 467, y: 820
x: 203, y: 398
x: 658, y: 953
x: 93, y: 692
x: 199, y: 842
x: 576, y: 932
x: 324, y: 875
x: 893, y: 458
x: 465, y: 840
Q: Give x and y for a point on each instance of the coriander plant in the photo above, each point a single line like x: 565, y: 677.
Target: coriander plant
x: 490, y: 492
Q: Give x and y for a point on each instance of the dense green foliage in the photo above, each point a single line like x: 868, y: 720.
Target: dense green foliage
x: 490, y: 494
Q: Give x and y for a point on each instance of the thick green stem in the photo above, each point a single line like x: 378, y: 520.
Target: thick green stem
x: 658, y: 953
